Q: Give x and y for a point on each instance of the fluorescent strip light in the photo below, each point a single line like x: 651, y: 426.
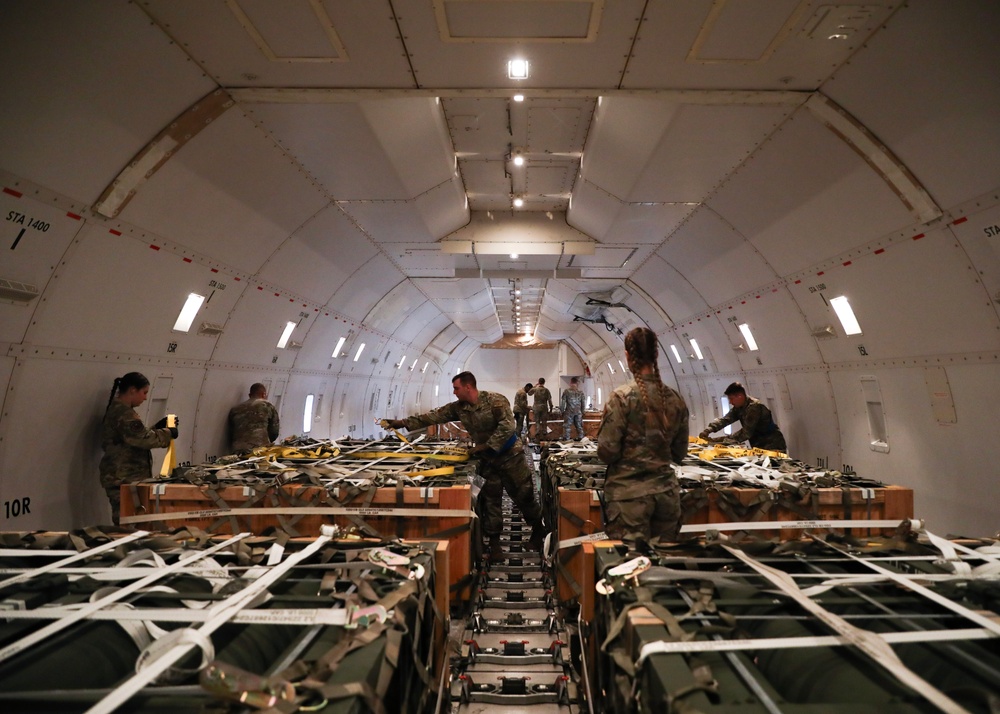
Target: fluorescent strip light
x: 436, y: 388
x: 610, y: 368
x: 748, y: 336
x: 424, y: 368
x: 622, y: 366
x: 289, y: 327
x: 413, y: 366
x: 598, y: 396
x: 677, y: 355
x: 361, y: 348
x: 190, y: 309
x: 697, y: 349
x: 518, y: 97
x: 843, y: 309
x: 340, y: 343
x: 401, y: 360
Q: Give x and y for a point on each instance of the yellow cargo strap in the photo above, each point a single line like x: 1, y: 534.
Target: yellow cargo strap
x: 440, y: 471
x: 170, y: 460
x: 407, y: 455
x: 290, y: 452
x: 384, y: 423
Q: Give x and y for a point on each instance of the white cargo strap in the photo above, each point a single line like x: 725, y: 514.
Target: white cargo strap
x: 868, y: 642
x: 778, y: 643
x: 40, y: 634
x: 775, y: 525
x: 125, y: 612
x: 307, y: 511
x: 34, y: 572
x: 980, y: 620
x: 220, y: 614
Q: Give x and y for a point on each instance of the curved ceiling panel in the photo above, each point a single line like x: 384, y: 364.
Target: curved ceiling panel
x: 253, y: 43
x: 99, y: 126
x: 789, y: 202
x: 934, y: 138
x: 393, y: 309
x: 320, y: 256
x: 366, y: 287
x: 715, y: 257
x: 229, y: 194
x: 671, y: 290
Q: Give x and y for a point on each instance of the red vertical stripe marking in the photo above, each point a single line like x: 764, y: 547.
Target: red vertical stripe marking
x: 12, y: 192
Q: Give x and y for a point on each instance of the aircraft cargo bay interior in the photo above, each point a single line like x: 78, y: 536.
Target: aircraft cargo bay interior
x: 533, y: 356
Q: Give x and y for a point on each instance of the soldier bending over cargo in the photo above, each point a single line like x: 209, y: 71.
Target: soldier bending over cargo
x: 490, y: 423
x: 254, y: 422
x: 643, y: 430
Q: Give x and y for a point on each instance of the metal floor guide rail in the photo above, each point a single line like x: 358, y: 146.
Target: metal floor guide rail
x: 515, y: 652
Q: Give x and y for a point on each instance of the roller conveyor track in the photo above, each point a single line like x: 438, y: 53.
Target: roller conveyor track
x: 515, y: 652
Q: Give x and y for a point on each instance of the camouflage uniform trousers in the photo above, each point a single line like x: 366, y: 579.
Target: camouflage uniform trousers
x: 113, y: 488
x: 541, y: 424
x: 508, y: 472
x: 655, y: 515
x: 574, y: 420
x: 519, y: 423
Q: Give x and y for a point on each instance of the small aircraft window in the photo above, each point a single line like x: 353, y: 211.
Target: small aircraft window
x: 307, y: 415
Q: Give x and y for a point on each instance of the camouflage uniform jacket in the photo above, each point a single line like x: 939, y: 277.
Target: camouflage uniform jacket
x: 127, y: 443
x: 571, y: 402
x: 253, y: 423
x: 758, y: 425
x: 521, y: 402
x: 630, y: 443
x: 543, y: 399
x: 490, y: 422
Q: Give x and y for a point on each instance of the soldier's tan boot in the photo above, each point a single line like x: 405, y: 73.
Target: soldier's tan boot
x: 496, y: 553
x: 537, y: 537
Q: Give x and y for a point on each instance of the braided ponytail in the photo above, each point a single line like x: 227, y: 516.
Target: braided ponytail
x: 124, y: 383
x: 641, y: 351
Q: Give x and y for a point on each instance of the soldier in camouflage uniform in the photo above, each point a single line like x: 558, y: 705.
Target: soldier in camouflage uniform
x: 542, y: 406
x: 758, y: 425
x: 643, y: 430
x: 126, y: 441
x: 571, y: 405
x: 254, y: 422
x: 489, y: 421
x: 521, y: 407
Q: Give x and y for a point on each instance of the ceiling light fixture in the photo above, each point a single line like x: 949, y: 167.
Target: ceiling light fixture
x: 513, y: 256
x: 518, y: 97
x: 517, y: 69
x: 518, y: 202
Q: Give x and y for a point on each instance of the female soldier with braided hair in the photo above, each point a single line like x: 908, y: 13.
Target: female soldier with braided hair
x: 644, y: 429
x: 126, y: 440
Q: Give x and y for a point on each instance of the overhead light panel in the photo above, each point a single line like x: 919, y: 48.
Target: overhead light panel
x: 412, y: 366
x: 843, y: 309
x: 424, y: 368
x: 622, y: 366
x: 677, y: 354
x: 361, y: 348
x: 401, y: 360
x: 518, y: 159
x: 518, y: 202
x: 336, y: 350
x: 748, y: 336
x: 289, y: 327
x: 518, y: 97
x: 610, y: 368
x: 190, y: 309
x: 517, y: 69
x: 697, y: 349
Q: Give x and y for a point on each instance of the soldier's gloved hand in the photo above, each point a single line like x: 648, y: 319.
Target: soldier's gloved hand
x: 162, y: 424
x: 173, y: 432
x: 395, y: 423
x: 705, y: 434
x: 477, y: 449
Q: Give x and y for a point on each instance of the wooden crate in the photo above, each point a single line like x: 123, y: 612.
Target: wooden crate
x: 579, y: 514
x: 885, y: 503
x: 168, y: 498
